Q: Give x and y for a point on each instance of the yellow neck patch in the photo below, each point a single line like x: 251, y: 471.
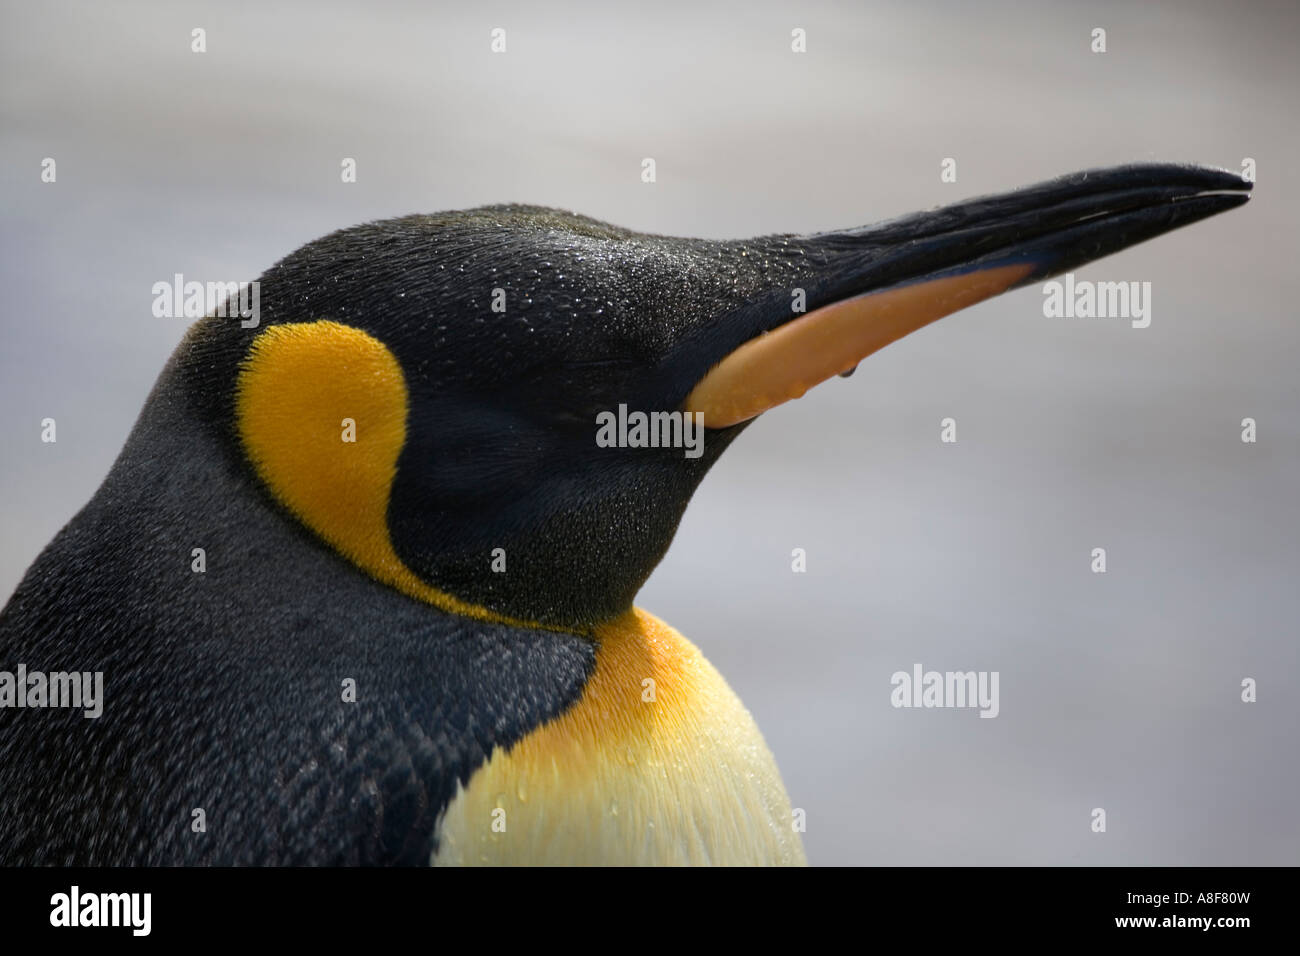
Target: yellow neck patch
x: 657, y: 763
x: 321, y: 409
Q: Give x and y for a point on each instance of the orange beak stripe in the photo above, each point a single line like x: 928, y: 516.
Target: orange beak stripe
x: 786, y: 362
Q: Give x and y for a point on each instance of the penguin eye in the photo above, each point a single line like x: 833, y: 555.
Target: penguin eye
x: 576, y: 391
x: 621, y: 364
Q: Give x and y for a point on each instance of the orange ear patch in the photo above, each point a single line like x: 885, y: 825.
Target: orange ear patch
x: 322, y: 413
x: 321, y: 409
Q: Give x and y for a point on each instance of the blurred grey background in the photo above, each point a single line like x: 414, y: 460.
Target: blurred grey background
x: 1119, y: 691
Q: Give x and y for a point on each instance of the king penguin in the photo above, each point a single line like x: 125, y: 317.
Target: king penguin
x: 412, y: 636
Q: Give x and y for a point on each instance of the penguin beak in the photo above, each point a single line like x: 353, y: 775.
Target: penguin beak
x: 874, y: 285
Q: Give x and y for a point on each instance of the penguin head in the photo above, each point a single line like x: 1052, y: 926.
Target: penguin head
x: 505, y: 411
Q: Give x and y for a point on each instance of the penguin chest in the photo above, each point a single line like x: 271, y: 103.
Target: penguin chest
x: 657, y: 763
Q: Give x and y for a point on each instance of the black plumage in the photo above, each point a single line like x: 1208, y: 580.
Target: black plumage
x: 223, y: 689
